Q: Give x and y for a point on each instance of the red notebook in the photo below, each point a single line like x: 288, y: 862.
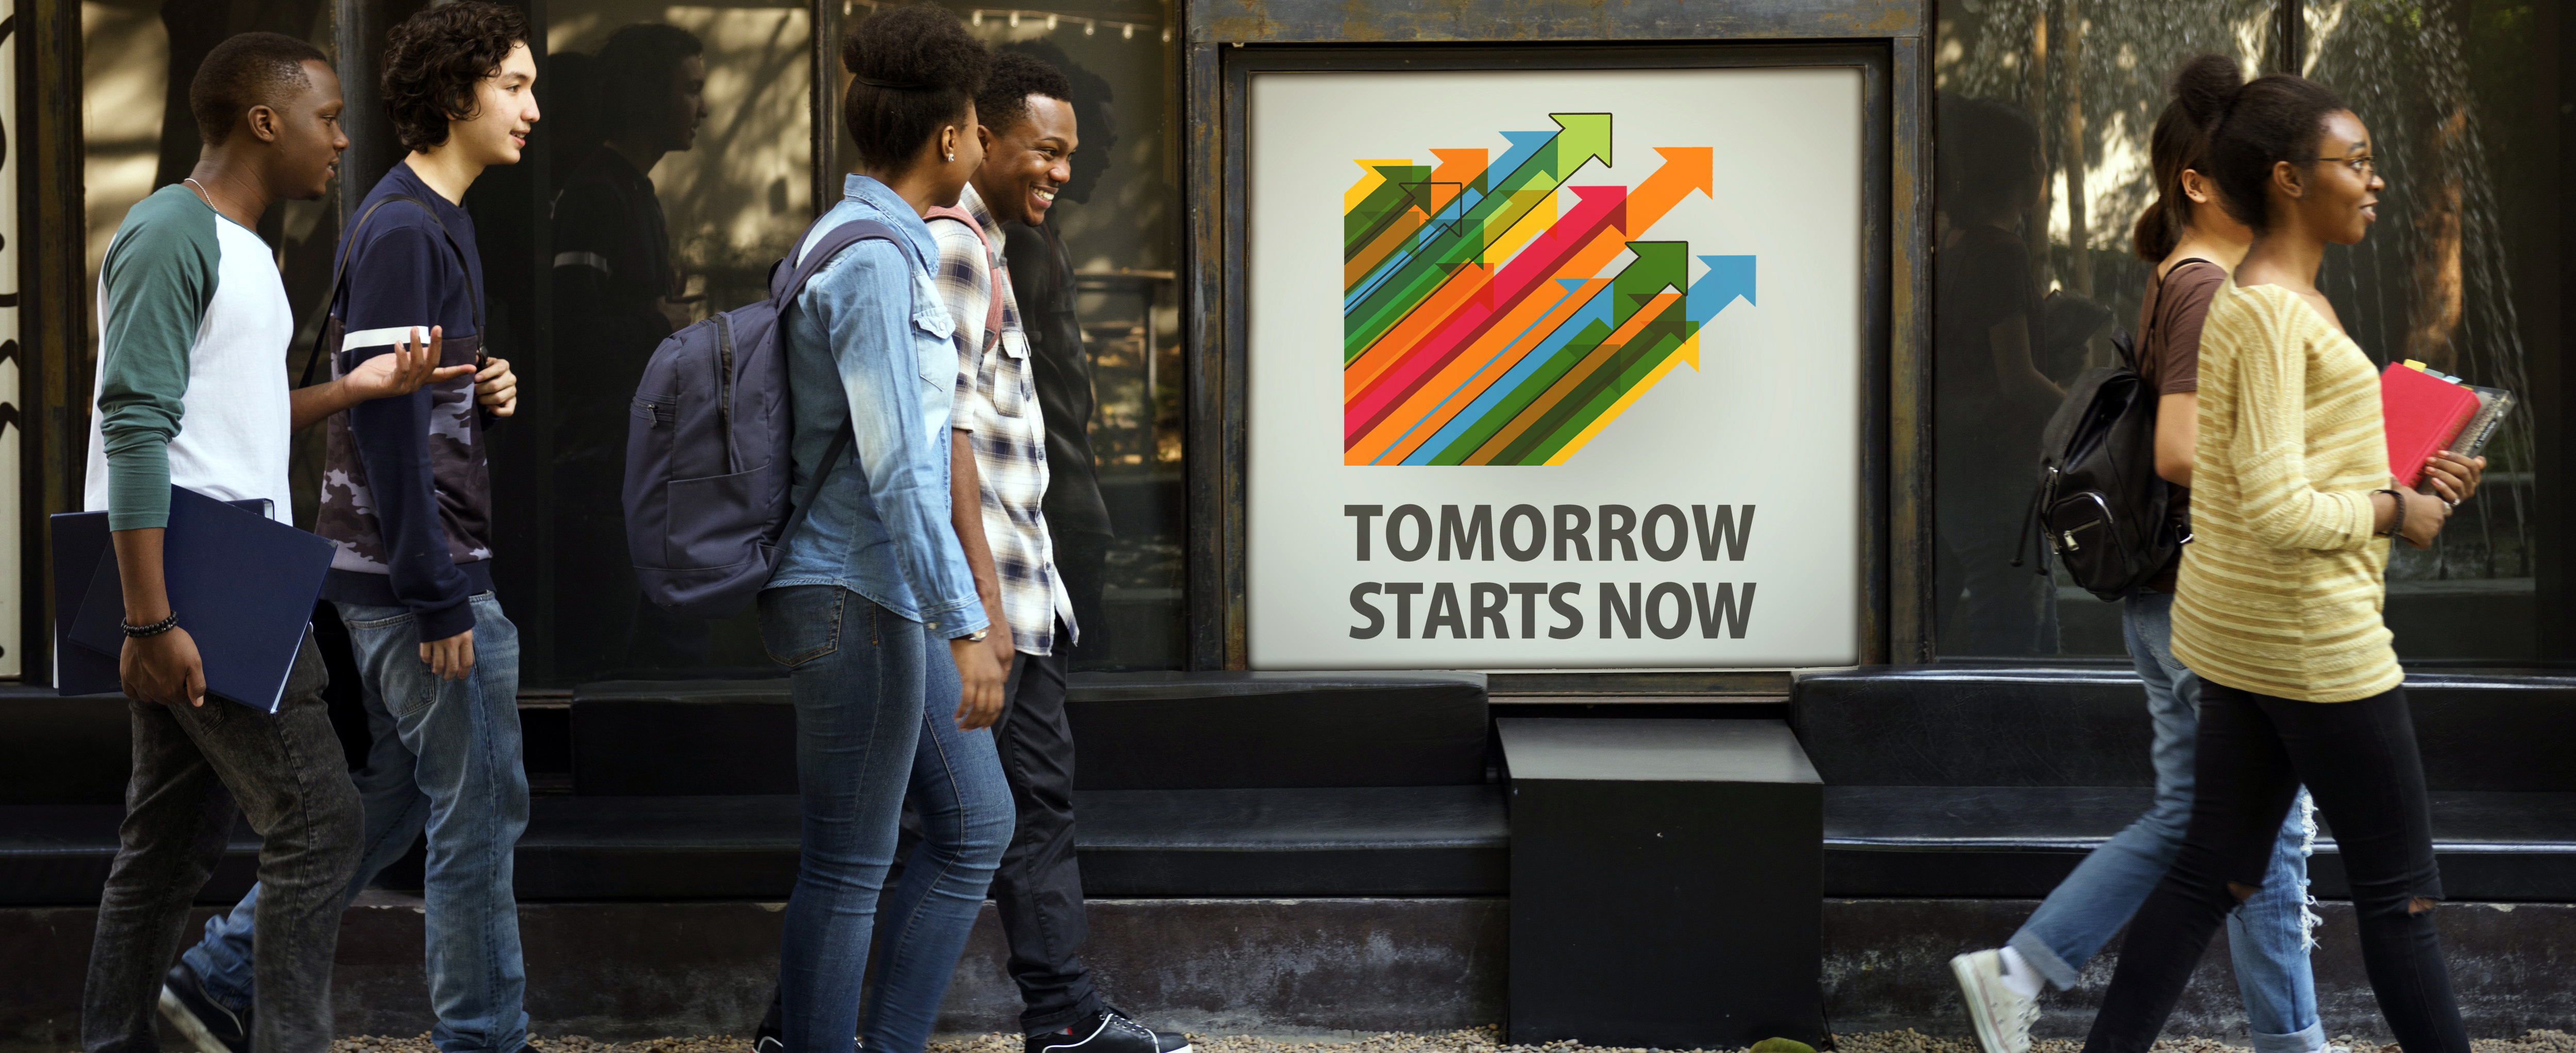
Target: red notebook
x: 2422, y: 414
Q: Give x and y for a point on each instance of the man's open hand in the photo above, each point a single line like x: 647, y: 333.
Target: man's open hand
x: 406, y: 369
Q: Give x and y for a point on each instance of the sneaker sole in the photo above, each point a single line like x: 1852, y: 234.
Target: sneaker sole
x: 1989, y: 1037
x: 195, y: 1030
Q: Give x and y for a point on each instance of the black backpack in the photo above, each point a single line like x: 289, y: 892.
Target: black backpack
x: 2100, y: 508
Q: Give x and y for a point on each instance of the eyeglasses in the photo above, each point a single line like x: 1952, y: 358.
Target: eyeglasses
x: 2364, y: 165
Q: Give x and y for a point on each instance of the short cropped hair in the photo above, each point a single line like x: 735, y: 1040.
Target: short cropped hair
x: 913, y: 68
x: 1004, y: 102
x: 434, y: 59
x: 251, y: 69
x: 636, y: 67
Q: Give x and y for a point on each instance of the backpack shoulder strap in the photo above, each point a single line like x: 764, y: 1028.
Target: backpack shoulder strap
x: 2155, y: 305
x: 992, y: 267
x: 787, y: 281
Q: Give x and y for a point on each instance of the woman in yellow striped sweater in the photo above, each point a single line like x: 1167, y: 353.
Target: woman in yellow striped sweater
x: 2278, y: 604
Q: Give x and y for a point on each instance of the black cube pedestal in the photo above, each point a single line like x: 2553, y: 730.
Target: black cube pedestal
x: 1667, y: 883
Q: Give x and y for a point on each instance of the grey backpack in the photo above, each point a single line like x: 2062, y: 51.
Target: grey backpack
x: 708, y: 513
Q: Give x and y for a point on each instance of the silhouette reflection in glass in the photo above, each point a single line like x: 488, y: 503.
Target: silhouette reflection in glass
x: 1992, y: 399
x: 617, y: 295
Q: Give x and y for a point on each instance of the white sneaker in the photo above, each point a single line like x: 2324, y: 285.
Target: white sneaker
x: 2002, y: 1015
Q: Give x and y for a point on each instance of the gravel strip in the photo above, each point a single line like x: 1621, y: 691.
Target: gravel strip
x: 1473, y: 1040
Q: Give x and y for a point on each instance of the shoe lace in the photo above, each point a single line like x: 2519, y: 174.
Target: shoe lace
x: 2025, y: 1015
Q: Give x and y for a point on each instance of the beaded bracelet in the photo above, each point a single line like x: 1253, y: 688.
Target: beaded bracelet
x: 155, y: 629
x: 2396, y: 523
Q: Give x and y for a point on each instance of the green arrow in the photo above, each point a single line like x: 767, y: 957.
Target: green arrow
x: 1586, y: 135
x: 1361, y: 226
x: 1659, y: 265
x: 1631, y: 364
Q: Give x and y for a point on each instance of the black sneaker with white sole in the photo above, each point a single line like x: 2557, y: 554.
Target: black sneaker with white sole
x: 1108, y: 1031
x: 209, y: 1026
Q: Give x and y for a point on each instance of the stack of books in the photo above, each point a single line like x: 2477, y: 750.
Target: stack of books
x: 2427, y: 411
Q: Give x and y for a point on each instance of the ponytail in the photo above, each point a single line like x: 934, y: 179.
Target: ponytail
x: 2200, y: 91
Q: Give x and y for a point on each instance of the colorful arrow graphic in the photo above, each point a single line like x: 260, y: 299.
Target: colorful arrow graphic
x: 1477, y: 328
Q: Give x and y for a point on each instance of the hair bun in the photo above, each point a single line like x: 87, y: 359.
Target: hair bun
x: 915, y: 44
x: 2204, y: 85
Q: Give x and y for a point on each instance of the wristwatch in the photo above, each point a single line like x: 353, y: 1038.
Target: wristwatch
x: 978, y: 635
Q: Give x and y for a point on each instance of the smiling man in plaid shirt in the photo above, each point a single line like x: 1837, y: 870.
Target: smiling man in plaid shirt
x: 1028, y: 131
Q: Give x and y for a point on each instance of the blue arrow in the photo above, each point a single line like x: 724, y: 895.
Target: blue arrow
x: 1728, y: 277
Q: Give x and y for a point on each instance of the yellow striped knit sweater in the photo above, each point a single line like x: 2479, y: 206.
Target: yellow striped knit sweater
x: 2281, y: 589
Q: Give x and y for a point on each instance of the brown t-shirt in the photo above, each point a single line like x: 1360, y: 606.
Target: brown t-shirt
x: 2169, y: 358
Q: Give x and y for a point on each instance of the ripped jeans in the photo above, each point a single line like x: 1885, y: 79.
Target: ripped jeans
x: 2267, y: 937
x: 2359, y: 759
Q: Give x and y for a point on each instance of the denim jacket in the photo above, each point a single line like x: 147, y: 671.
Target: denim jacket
x: 870, y: 341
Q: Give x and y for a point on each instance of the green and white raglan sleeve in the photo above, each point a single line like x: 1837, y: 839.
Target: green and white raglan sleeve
x: 160, y: 276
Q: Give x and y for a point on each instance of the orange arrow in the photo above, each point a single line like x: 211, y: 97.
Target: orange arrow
x: 1457, y: 169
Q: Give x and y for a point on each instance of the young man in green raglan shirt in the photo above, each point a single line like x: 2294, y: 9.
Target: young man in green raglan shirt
x: 194, y: 325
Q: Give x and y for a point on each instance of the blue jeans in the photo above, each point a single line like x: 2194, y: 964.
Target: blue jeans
x: 445, y: 758
x: 876, y: 702
x: 2267, y: 936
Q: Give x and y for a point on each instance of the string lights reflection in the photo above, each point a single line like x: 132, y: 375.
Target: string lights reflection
x: 1054, y: 19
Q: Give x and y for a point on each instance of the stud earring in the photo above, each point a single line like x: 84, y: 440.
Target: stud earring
x: 952, y: 157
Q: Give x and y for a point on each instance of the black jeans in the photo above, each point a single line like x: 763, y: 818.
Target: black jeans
x: 1038, y: 891
x: 192, y: 767
x: 2360, y: 763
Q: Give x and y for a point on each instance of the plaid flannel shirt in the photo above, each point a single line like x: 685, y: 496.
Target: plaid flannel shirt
x: 997, y: 401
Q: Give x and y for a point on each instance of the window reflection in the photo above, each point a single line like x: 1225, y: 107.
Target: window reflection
x: 679, y: 161
x: 2040, y: 154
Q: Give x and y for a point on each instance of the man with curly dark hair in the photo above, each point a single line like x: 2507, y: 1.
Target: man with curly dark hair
x: 407, y: 496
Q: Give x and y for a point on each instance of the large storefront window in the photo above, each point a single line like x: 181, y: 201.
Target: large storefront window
x: 2041, y: 151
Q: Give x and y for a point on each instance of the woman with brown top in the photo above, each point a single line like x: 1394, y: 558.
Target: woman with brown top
x: 2193, y: 242
x: 2279, y: 595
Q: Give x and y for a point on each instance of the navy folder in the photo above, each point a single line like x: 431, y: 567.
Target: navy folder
x: 243, y: 585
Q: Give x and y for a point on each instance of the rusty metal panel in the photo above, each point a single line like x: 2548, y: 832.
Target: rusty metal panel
x: 1214, y: 469
x: 1533, y: 21
x: 1910, y: 604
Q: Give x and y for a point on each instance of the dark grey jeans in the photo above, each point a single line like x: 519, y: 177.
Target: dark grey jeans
x: 1038, y: 891
x: 192, y: 767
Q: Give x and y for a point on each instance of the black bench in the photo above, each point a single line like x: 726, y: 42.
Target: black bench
x: 1198, y: 784
x: 1189, y: 784
x: 1994, y: 782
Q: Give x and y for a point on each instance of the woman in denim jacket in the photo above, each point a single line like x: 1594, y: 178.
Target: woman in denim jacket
x: 875, y: 580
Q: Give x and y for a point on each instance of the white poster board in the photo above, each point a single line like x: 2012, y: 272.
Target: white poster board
x: 1555, y: 369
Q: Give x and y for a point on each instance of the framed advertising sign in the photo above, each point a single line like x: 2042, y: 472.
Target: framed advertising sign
x: 1557, y: 365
